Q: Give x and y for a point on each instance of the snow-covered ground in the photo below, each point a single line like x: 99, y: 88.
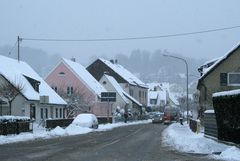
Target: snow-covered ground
x: 41, y: 133
x: 183, y: 139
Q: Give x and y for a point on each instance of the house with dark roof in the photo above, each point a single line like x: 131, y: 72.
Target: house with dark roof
x: 78, y: 87
x: 222, y: 75
x: 129, y: 82
x: 25, y: 93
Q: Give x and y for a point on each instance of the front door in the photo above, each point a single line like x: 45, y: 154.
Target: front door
x: 32, y: 111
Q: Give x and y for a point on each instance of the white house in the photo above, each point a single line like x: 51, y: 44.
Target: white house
x: 159, y: 96
x: 28, y: 102
x: 123, y: 100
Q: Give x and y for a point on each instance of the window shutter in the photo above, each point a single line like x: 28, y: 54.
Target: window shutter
x: 223, y: 79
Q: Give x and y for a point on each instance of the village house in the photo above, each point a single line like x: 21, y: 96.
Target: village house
x: 79, y: 88
x: 222, y: 74
x: 124, y: 102
x: 159, y: 97
x: 129, y: 82
x: 25, y: 93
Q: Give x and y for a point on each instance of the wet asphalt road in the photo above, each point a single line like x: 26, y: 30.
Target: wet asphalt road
x: 130, y: 143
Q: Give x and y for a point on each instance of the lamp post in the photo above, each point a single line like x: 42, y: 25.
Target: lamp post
x: 175, y: 57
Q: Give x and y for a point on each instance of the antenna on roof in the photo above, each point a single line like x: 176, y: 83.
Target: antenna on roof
x: 112, y: 61
x: 18, y: 44
x: 73, y: 59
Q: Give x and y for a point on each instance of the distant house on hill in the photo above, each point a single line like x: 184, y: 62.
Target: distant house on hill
x: 160, y: 96
x: 129, y: 83
x: 124, y: 102
x: 78, y: 87
x: 25, y: 93
x: 222, y: 75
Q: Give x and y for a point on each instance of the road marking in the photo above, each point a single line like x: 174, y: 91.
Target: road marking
x: 106, y: 145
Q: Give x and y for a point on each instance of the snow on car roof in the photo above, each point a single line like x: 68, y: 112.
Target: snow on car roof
x: 85, y: 76
x: 124, y: 73
x: 15, y: 72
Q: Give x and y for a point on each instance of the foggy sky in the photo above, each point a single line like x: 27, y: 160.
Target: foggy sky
x: 77, y: 19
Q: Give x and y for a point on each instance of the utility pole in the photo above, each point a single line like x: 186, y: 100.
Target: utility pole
x: 18, y: 44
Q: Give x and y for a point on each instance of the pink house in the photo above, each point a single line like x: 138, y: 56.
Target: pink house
x: 79, y: 88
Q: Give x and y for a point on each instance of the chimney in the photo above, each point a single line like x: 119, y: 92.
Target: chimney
x: 112, y: 61
x: 116, y: 61
x: 73, y: 59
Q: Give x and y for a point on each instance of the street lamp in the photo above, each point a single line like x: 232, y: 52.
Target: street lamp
x: 187, y: 76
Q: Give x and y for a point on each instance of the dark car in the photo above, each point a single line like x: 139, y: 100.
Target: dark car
x: 171, y: 114
x: 157, y: 118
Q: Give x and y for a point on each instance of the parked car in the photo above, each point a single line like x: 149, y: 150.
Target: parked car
x: 158, y: 118
x: 86, y: 120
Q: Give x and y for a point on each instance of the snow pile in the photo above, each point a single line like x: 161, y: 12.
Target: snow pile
x: 109, y: 126
x: 41, y: 133
x: 183, y: 139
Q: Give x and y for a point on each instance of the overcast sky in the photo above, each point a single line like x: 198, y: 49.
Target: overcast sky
x: 77, y: 19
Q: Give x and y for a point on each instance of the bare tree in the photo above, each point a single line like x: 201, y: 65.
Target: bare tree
x: 78, y: 101
x: 10, y: 89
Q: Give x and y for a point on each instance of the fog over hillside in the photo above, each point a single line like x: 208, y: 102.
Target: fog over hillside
x: 148, y: 66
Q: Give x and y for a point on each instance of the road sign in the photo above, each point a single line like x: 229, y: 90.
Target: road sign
x: 108, y: 97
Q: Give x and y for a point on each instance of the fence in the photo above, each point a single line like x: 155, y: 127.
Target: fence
x: 210, y: 124
x: 227, y: 112
x: 50, y: 124
x: 15, y: 127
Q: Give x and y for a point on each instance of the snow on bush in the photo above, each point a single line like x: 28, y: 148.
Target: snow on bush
x: 183, y: 139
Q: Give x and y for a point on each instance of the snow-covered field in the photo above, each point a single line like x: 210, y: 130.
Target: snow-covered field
x: 183, y: 139
x: 41, y: 133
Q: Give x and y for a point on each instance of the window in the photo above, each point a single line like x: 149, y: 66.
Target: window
x: 104, y: 82
x: 69, y: 91
x: 233, y: 79
x: 131, y: 92
x: 54, y: 88
x: 153, y: 101
x: 41, y: 113
x: 56, y: 112
x: 61, y: 74
x: 140, y: 92
x: 60, y: 113
x: 46, y: 112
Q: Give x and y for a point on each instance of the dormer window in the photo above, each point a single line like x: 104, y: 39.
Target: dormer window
x: 34, y: 83
x: 61, y: 74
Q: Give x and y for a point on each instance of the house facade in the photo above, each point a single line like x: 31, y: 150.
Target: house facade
x: 129, y: 83
x: 79, y: 88
x: 223, y: 75
x: 23, y: 89
x: 124, y: 102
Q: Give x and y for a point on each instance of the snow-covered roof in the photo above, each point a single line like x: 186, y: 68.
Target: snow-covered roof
x: 158, y: 95
x: 153, y: 94
x: 124, y: 73
x: 85, y: 76
x: 121, y: 92
x: 117, y: 87
x: 221, y: 59
x: 163, y: 85
x: 15, y: 71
